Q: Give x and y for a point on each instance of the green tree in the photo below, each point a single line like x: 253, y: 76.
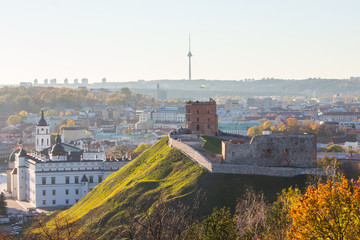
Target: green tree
x: 14, y: 119
x: 125, y: 91
x: 2, y: 204
x: 335, y: 148
x: 50, y: 113
x: 278, y: 218
x: 220, y: 225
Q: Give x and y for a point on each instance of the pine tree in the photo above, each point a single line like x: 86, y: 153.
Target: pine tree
x: 2, y: 204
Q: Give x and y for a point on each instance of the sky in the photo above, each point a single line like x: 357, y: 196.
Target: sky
x: 148, y: 39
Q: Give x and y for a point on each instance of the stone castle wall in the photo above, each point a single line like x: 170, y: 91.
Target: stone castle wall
x: 273, y: 151
x: 202, y: 161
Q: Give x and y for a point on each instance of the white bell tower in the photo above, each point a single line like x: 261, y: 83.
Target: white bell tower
x: 42, y: 134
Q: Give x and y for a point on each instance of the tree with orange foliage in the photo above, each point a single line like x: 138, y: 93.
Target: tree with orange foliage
x: 330, y: 211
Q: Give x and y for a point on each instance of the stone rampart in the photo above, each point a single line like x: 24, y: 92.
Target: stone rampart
x: 202, y: 161
x: 191, y: 153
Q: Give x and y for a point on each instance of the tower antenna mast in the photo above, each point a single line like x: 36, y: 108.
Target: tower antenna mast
x: 189, y: 55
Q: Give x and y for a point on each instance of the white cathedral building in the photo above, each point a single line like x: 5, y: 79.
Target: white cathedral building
x: 59, y: 175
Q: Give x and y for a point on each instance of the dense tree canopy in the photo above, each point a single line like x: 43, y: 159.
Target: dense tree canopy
x: 16, y: 99
x: 331, y: 211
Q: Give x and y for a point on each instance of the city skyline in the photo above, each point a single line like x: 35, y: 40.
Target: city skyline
x: 128, y: 41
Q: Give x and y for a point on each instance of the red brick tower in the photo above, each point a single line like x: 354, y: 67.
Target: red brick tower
x: 201, y: 117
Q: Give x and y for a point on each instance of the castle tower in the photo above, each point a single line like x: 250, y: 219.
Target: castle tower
x: 201, y: 117
x: 42, y: 134
x: 189, y: 55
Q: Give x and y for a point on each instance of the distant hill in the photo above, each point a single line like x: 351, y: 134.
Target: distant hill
x: 164, y: 171
x: 269, y: 87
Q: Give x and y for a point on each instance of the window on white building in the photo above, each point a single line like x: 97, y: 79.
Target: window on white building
x: 99, y: 179
x: 67, y: 201
x: 67, y: 191
x: 76, y: 191
x: 54, y: 202
x: 54, y: 192
x: 67, y: 180
x: 91, y: 179
x: 76, y: 179
x: 43, y: 180
x: 52, y: 180
x: 44, y: 192
x: 44, y: 202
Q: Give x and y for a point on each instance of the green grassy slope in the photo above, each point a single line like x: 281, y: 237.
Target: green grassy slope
x: 164, y: 170
x: 212, y: 144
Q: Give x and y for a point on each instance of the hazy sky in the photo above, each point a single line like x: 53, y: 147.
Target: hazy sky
x: 131, y: 40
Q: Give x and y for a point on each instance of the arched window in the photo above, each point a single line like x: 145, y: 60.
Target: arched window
x: 42, y: 141
x: 268, y: 152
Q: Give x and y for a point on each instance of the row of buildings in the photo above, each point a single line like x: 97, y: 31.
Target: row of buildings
x: 59, y: 174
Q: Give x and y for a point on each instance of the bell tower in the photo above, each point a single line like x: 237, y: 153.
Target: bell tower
x: 42, y: 134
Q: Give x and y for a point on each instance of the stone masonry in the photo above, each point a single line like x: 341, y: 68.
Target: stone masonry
x: 273, y: 151
x: 203, y: 162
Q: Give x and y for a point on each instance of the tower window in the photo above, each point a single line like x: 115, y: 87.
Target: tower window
x: 198, y: 111
x: 197, y: 119
x: 268, y: 152
x: 208, y: 126
x: 208, y: 119
x: 188, y: 119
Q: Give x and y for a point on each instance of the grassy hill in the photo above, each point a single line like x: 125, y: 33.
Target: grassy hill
x: 164, y: 171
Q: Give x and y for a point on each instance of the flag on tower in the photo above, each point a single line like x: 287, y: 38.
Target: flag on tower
x: 202, y: 86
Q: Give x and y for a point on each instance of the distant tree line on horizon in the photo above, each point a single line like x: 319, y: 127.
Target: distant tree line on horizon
x: 16, y: 99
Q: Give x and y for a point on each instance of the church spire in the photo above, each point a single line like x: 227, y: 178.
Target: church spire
x: 42, y: 122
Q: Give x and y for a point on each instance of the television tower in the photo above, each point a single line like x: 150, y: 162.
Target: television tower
x: 189, y: 55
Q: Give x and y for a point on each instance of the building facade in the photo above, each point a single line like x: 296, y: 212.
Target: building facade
x: 201, y: 117
x: 59, y: 175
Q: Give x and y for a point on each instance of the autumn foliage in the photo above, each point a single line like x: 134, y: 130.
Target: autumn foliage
x: 332, y: 211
